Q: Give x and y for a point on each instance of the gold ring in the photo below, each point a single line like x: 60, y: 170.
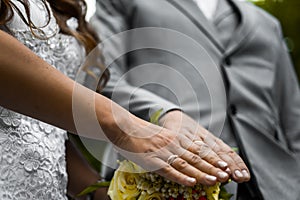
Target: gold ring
x: 172, y: 158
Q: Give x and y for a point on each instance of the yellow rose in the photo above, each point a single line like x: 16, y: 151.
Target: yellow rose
x: 212, y: 192
x: 124, y: 183
x: 153, y: 196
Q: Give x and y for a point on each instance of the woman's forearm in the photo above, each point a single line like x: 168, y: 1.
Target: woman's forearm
x: 32, y: 87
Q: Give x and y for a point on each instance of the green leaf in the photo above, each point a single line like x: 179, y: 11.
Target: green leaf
x: 235, y: 149
x: 155, y: 116
x: 93, y: 188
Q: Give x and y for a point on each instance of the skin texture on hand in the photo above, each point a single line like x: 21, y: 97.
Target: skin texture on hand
x: 151, y: 146
x: 206, y: 145
x: 46, y: 92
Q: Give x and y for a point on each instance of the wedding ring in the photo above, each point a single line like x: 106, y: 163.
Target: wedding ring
x: 172, y: 158
x: 200, y: 143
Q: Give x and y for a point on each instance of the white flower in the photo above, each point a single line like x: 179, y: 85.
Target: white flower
x: 10, y: 118
x: 124, y: 183
x: 31, y: 160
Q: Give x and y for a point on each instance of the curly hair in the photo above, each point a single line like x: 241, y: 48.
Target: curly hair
x: 62, y: 10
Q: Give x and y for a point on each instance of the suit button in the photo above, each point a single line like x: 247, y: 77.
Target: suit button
x: 227, y: 61
x: 233, y: 110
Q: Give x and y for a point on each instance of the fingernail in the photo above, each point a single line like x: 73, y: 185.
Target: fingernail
x: 211, y: 178
x: 238, y: 173
x: 228, y: 171
x: 222, y: 164
x: 191, y: 180
x: 222, y: 175
x: 245, y: 173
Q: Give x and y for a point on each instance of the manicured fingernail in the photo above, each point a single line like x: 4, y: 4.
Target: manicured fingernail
x: 222, y: 164
x: 211, y: 178
x: 238, y: 173
x: 222, y: 175
x: 191, y: 180
x: 228, y: 171
x: 245, y: 173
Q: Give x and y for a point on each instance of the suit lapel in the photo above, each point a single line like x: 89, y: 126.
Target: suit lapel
x: 221, y: 12
x: 190, y: 9
x: 247, y: 23
x: 245, y: 28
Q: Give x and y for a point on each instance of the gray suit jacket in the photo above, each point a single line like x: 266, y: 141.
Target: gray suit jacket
x: 246, y: 90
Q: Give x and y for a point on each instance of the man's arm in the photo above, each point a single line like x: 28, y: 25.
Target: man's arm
x: 109, y: 20
x: 288, y: 95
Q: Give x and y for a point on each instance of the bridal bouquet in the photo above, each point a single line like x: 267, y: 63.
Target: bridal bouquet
x: 131, y: 182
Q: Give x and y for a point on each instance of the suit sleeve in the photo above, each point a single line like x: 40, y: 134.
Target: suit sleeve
x: 111, y: 19
x: 287, y: 89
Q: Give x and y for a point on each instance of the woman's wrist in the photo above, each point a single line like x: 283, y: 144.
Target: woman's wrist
x: 115, y: 121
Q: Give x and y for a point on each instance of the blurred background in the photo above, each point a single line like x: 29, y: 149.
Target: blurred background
x: 288, y: 13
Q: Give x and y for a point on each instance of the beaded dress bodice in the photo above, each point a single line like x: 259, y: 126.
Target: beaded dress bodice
x: 32, y: 153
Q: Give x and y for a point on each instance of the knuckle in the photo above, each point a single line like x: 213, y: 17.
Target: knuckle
x: 205, y: 146
x: 149, y: 150
x: 231, y: 153
x: 222, y: 154
x: 210, y: 168
x: 221, y: 143
x: 218, y: 141
x: 166, y: 170
x: 204, y: 152
x: 240, y: 163
x: 218, y: 149
x: 182, y: 164
x: 210, y: 158
x: 195, y: 159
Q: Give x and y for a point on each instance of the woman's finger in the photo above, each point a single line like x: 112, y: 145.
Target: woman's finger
x: 175, y: 175
x: 184, y: 167
x: 238, y: 169
x: 202, y: 166
x: 205, y: 152
x: 201, y: 149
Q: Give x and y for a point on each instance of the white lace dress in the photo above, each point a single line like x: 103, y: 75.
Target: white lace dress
x: 32, y: 153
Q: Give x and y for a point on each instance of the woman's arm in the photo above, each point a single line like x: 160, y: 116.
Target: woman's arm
x: 26, y: 85
x: 32, y: 87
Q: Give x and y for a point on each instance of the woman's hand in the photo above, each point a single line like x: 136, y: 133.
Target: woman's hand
x: 210, y: 148
x: 157, y: 149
